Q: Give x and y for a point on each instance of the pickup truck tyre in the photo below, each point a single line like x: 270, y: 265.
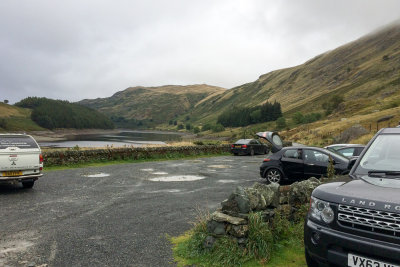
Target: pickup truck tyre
x: 28, y: 184
x: 273, y: 175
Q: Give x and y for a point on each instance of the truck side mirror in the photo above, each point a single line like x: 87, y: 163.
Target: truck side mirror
x: 351, y: 163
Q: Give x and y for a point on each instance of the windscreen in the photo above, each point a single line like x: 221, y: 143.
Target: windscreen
x: 242, y: 141
x: 17, y: 141
x: 382, y: 155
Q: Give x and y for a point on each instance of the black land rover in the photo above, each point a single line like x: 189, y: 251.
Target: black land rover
x: 357, y: 222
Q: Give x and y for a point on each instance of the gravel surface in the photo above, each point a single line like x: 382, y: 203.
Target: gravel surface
x: 117, y: 215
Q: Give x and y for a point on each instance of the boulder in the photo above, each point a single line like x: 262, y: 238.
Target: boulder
x: 238, y: 230
x: 270, y: 193
x: 221, y: 217
x: 216, y: 228
x: 300, y: 192
x: 238, y: 202
x: 209, y: 242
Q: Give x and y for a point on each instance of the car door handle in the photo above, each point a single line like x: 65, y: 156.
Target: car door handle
x: 310, y: 164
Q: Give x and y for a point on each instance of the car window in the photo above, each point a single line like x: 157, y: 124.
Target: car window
x: 291, y: 153
x: 253, y: 142
x: 348, y: 152
x: 242, y: 141
x: 314, y: 156
x: 17, y: 141
x: 358, y: 151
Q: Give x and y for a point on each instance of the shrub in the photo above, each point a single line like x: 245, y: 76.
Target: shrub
x: 332, y: 104
x: 206, y: 127
x: 218, y: 128
x: 196, y: 130
x: 280, y: 123
x: 298, y: 118
x: 3, y: 124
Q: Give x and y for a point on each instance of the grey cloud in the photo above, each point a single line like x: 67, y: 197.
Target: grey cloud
x: 93, y: 48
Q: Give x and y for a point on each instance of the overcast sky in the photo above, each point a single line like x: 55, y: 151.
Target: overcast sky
x: 79, y: 49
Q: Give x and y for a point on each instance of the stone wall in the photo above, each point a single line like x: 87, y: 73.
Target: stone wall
x: 232, y: 218
x: 68, y: 157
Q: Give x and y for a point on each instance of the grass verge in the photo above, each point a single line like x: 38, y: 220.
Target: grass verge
x: 276, y: 244
x: 99, y: 163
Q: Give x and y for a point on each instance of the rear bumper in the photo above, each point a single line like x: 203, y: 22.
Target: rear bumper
x: 240, y: 151
x: 21, y: 178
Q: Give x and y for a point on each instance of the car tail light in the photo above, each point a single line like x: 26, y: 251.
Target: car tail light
x: 41, y: 162
x: 265, y: 160
x: 244, y: 146
x: 232, y: 146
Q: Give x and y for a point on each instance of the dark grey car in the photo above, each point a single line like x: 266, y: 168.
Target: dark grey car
x: 249, y: 147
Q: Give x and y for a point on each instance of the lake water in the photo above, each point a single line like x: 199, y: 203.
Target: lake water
x: 121, y: 139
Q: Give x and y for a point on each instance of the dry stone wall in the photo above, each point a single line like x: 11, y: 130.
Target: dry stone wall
x: 232, y: 218
x: 58, y: 158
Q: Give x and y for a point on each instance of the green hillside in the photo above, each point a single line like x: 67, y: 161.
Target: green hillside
x: 14, y: 118
x: 365, y: 73
x: 149, y: 106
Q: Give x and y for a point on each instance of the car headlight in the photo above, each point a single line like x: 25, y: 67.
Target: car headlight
x: 321, y: 210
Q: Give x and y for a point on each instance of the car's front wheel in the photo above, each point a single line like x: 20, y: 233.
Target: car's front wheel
x: 273, y: 176
x: 28, y: 184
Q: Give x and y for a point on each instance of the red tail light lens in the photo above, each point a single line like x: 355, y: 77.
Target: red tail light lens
x: 232, y: 146
x: 265, y: 160
x: 244, y: 146
x: 40, y: 158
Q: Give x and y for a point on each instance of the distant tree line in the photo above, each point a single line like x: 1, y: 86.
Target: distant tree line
x: 50, y: 114
x: 242, y: 116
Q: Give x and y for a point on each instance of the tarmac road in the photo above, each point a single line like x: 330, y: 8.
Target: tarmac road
x: 71, y: 218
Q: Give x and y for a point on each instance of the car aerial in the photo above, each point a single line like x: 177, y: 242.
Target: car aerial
x: 356, y: 222
x: 249, y: 147
x: 20, y: 159
x: 352, y: 151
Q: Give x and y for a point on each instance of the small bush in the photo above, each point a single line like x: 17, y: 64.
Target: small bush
x: 218, y: 128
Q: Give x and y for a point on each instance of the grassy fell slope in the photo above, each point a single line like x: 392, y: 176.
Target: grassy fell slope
x: 13, y: 118
x: 366, y: 72
x: 160, y: 104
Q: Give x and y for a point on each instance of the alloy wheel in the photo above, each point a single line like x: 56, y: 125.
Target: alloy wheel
x: 274, y: 176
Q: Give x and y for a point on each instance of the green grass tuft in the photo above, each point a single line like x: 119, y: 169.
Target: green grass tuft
x: 278, y: 243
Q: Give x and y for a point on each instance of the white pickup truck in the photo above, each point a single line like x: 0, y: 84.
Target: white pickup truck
x: 20, y: 159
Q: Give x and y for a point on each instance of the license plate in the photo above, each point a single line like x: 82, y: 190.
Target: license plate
x: 238, y: 146
x: 358, y: 261
x: 12, y: 173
